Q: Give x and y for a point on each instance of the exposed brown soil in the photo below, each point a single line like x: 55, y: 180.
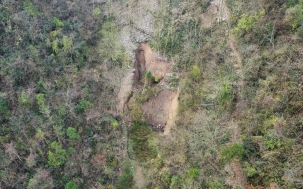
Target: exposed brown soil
x: 139, y: 66
x: 146, y: 61
x: 172, y: 114
x: 139, y: 178
x: 236, y: 176
x: 160, y: 110
x: 125, y: 91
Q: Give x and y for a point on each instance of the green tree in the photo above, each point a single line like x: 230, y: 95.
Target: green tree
x: 84, y: 105
x: 24, y: 99
x: 71, y: 185
x: 58, y: 23
x: 193, y: 173
x: 43, y: 107
x: 3, y: 107
x: 55, y: 46
x: 34, y: 52
x: 248, y: 22
x: 67, y: 42
x: 72, y: 133
x: 30, y: 8
x: 56, y: 155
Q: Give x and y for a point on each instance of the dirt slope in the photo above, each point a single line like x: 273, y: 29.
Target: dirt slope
x: 147, y: 61
x: 160, y: 110
x: 172, y: 114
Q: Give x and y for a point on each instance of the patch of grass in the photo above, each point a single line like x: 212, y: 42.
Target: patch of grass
x: 196, y: 73
x: 229, y: 152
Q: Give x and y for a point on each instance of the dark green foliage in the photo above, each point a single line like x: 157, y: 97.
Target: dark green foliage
x: 84, y: 105
x: 46, y: 47
x: 204, y: 3
x: 291, y: 3
x: 30, y: 8
x: 175, y: 182
x: 3, y: 107
x: 56, y: 155
x: 126, y: 180
x: 58, y: 23
x: 140, y: 134
x: 225, y: 95
x: 251, y: 149
x: 272, y: 141
x: 71, y: 185
x: 148, y: 75
x: 72, y: 133
x: 193, y: 173
x: 229, y: 152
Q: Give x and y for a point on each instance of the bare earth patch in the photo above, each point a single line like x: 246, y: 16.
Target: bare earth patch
x: 146, y: 61
x: 160, y: 110
x: 139, y: 178
x: 172, y: 114
x: 236, y: 177
x: 125, y: 91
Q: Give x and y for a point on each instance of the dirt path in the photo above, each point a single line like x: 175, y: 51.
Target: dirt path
x: 139, y: 178
x: 234, y: 168
x: 237, y: 54
x: 172, y: 114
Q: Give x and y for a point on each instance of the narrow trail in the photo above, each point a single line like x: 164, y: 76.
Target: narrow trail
x: 234, y: 168
x: 125, y: 90
x: 172, y: 114
x: 139, y: 178
x: 240, y: 84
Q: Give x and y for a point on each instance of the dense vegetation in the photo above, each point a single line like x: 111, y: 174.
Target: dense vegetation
x: 56, y: 128
x: 60, y: 69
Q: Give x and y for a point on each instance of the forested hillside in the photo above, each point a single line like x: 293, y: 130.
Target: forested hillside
x: 151, y: 94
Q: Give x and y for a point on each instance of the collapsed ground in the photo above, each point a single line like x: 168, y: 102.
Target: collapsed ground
x: 159, y: 111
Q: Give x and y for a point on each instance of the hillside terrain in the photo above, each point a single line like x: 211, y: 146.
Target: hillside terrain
x: 151, y: 94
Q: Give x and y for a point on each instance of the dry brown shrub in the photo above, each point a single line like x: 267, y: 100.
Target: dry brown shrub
x: 98, y: 159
